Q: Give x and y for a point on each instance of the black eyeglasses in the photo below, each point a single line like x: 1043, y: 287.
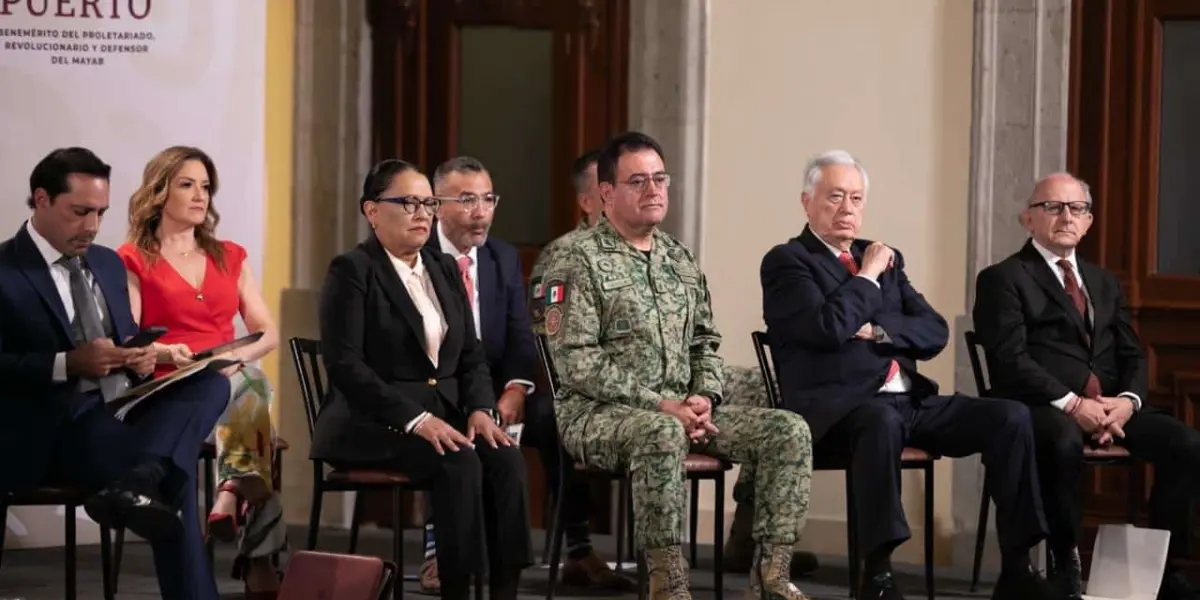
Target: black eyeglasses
x: 472, y: 201
x: 410, y: 203
x: 640, y: 182
x: 1078, y: 209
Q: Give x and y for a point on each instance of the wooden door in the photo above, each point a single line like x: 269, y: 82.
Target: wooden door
x: 1134, y: 135
x: 525, y: 86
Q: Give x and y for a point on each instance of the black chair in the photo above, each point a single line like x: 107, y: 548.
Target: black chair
x: 1112, y: 455
x: 306, y: 355
x: 70, y: 499
x: 698, y: 467
x: 910, y: 458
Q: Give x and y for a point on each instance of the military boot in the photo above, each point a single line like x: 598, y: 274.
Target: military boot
x: 739, y: 546
x: 668, y: 574
x: 770, y: 578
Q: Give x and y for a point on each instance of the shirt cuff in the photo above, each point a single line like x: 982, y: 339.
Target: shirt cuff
x: 1137, y: 400
x: 871, y: 279
x: 59, y: 373
x: 1064, y: 402
x: 529, y: 387
x: 412, y: 425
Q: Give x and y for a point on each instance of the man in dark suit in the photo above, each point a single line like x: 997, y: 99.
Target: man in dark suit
x: 1058, y: 336
x: 846, y: 329
x: 64, y: 310
x: 408, y: 378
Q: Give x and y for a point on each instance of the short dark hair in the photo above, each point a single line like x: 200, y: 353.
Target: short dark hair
x: 580, y: 167
x: 458, y: 164
x: 380, y: 177
x: 52, y: 172
x: 630, y: 141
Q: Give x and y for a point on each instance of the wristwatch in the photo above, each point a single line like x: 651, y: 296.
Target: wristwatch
x: 877, y: 332
x: 493, y: 415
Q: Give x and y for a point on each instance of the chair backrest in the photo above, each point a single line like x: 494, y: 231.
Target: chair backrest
x: 762, y: 349
x: 306, y: 355
x: 981, y: 384
x: 323, y: 575
x: 1127, y: 562
x: 543, y: 349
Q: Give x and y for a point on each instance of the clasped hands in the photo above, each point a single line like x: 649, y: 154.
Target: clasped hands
x: 99, y: 357
x: 1103, y: 417
x: 695, y: 413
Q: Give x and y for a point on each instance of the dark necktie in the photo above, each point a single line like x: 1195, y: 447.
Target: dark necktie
x: 88, y: 323
x: 848, y: 262
x: 1091, y: 388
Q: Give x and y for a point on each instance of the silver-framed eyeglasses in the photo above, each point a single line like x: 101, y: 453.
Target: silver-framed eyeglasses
x: 472, y: 201
x: 1078, y: 209
x: 410, y: 203
x: 641, y: 181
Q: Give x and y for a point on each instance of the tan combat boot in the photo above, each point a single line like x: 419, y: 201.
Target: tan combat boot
x: 770, y: 578
x: 668, y: 574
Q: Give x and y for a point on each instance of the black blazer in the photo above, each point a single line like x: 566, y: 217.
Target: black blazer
x: 503, y: 315
x: 1039, y: 347
x: 33, y: 328
x: 813, y: 307
x: 372, y: 340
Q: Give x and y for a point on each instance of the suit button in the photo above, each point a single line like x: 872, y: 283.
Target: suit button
x: 432, y: 382
x: 1091, y: 365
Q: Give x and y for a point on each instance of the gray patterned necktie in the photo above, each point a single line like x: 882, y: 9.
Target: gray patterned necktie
x: 89, y: 326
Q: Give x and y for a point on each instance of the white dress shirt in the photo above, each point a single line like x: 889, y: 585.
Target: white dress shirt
x: 62, y: 283
x: 900, y: 382
x: 1052, y: 260
x: 473, y: 254
x: 432, y: 318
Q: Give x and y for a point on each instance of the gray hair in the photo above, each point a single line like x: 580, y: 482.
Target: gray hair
x: 812, y: 171
x: 1087, y: 189
x: 458, y: 164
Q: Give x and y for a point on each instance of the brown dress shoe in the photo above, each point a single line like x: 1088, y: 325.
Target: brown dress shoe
x: 593, y: 573
x: 430, y: 584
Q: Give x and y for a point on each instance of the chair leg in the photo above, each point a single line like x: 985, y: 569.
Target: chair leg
x: 851, y: 535
x: 630, y: 549
x: 106, y: 573
x: 556, y: 539
x: 118, y: 552
x: 929, y: 530
x: 548, y: 501
x: 69, y: 547
x: 397, y: 538
x: 694, y: 519
x: 719, y: 536
x: 314, y: 515
x: 3, y: 525
x: 1135, y: 491
x: 985, y: 502
x: 642, y: 574
x: 623, y: 540
x: 358, y: 502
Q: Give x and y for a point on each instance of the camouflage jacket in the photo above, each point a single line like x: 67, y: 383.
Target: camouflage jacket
x: 630, y: 328
x: 537, y: 291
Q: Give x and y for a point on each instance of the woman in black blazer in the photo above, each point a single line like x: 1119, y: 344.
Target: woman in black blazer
x: 409, y: 384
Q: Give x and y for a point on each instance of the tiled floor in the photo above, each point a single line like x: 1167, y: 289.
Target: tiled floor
x: 38, y: 574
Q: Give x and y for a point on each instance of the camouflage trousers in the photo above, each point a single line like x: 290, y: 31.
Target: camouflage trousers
x: 745, y: 387
x: 652, y: 447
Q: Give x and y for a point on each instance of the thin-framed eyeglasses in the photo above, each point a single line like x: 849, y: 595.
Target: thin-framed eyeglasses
x: 1078, y: 209
x: 472, y: 201
x: 410, y: 203
x: 641, y: 181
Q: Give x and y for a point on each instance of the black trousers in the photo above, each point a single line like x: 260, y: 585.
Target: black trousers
x: 874, y: 434
x: 481, y: 497
x: 1151, y: 435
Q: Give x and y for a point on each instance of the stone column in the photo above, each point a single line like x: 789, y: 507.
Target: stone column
x: 1019, y: 133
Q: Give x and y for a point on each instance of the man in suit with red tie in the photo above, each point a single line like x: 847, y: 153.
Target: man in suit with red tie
x: 846, y: 330
x: 1058, y: 336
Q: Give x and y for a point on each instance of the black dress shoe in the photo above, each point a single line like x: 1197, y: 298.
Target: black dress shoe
x: 136, y: 509
x: 1024, y: 584
x: 1066, y: 573
x: 880, y: 587
x: 1176, y: 587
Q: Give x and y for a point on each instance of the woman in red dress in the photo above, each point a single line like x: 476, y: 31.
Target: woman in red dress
x: 183, y: 278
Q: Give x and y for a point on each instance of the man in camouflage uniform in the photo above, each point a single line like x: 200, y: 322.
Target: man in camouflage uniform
x: 631, y: 334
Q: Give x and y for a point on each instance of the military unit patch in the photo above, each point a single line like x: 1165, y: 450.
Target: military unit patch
x: 553, y: 320
x: 556, y: 294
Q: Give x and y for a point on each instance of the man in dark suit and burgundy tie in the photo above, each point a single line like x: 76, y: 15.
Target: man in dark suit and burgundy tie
x: 846, y: 329
x: 1058, y: 336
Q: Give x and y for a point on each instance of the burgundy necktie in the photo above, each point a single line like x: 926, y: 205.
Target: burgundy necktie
x: 464, y: 268
x: 1091, y: 389
x: 852, y: 266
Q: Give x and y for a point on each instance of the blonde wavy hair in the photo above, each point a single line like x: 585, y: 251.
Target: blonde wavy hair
x: 146, y: 203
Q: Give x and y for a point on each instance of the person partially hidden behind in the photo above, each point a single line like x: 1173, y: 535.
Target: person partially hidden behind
x: 64, y: 313
x: 1058, y: 336
x: 410, y: 388
x: 846, y: 330
x: 185, y: 279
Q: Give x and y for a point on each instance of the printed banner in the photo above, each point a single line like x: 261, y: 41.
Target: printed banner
x: 127, y: 79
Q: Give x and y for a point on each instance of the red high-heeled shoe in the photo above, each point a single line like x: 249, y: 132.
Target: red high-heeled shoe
x: 224, y: 527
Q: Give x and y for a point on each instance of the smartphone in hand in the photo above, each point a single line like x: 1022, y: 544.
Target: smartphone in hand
x: 145, y: 337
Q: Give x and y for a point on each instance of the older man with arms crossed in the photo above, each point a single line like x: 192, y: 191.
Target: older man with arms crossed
x: 1059, y: 337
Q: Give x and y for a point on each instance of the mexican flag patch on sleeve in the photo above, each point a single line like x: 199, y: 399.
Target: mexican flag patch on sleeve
x: 556, y: 293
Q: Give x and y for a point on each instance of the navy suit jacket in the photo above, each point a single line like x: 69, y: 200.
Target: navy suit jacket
x: 503, y: 315
x: 33, y: 328
x: 813, y: 307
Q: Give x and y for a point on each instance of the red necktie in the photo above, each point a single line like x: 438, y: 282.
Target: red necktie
x: 848, y: 262
x: 1091, y: 388
x: 464, y: 268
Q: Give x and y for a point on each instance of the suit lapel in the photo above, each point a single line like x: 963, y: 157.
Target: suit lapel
x: 824, y: 256
x: 111, y: 287
x: 395, y: 289
x: 1040, y: 271
x: 1093, y: 283
x: 445, y: 292
x: 34, y: 268
x: 489, y: 288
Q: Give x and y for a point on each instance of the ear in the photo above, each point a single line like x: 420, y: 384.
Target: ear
x: 805, y: 198
x: 606, y: 191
